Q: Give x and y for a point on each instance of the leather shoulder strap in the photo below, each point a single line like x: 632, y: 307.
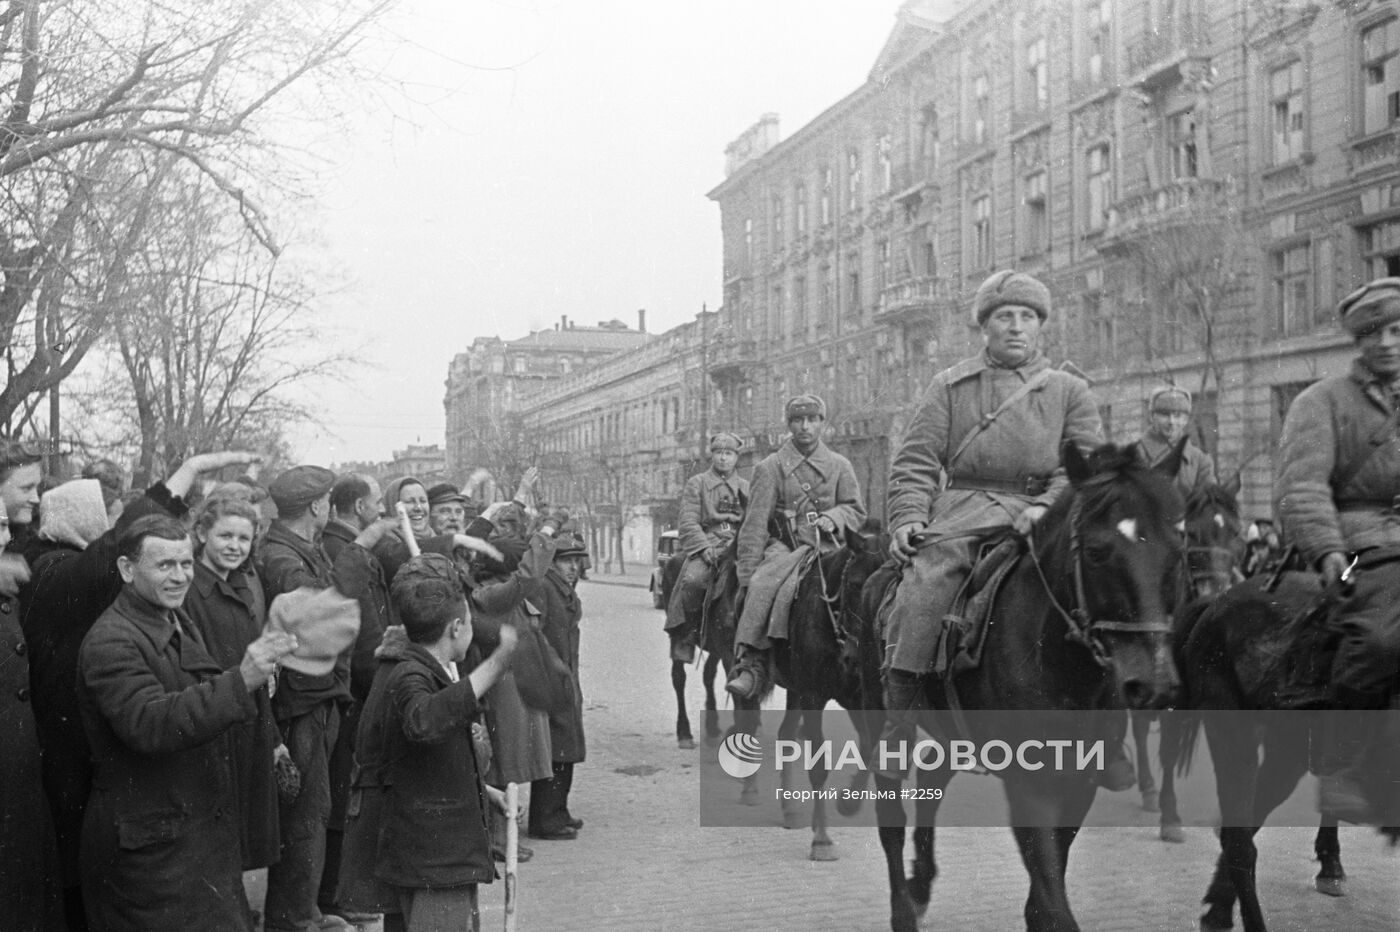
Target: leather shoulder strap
x: 989, y: 419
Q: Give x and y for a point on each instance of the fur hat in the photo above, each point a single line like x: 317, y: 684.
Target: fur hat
x: 1169, y: 398
x: 805, y: 406
x: 1370, y: 307
x: 1008, y: 287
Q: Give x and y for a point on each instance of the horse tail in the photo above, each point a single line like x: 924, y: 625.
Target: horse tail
x: 1187, y: 727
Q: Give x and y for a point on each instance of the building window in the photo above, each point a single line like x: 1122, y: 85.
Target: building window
x: 775, y: 311
x: 827, y: 298
x: 1037, y: 76
x: 1286, y: 90
x: 777, y: 211
x: 799, y: 304
x: 928, y: 138
x: 1100, y: 186
x: 1380, y: 76
x: 883, y: 146
x: 1292, y: 291
x: 748, y: 241
x: 981, y: 109
x: 1100, y: 35
x: 853, y: 295
x: 1380, y: 247
x: 1037, y: 227
x: 828, y: 181
x: 1181, y: 144
x: 929, y: 254
x: 981, y: 231
x: 799, y: 200
x: 882, y: 267
x: 852, y: 179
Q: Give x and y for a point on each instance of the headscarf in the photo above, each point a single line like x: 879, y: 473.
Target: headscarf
x: 73, y: 513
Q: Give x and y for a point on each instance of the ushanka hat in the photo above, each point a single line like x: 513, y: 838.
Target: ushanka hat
x: 804, y: 406
x: 1370, y: 307
x: 1169, y: 398
x: 1008, y: 287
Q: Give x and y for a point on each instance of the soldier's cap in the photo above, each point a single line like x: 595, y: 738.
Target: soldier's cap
x: 1370, y: 307
x: 325, y: 624
x: 295, y: 488
x: 1010, y: 287
x: 724, y: 440
x: 804, y: 406
x: 570, y: 546
x: 1169, y: 398
x: 445, y: 492
x: 14, y: 454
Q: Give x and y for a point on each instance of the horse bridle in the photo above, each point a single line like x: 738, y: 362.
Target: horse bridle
x: 1080, y: 627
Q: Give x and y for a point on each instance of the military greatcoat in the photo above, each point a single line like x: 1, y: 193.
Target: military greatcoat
x: 1012, y: 464
x: 712, y: 509
x: 1197, y: 468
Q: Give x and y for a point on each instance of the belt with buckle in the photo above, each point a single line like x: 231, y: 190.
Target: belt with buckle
x: 1031, y: 485
x: 1371, y: 505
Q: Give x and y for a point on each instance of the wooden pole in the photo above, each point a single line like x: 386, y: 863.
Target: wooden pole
x: 512, y: 851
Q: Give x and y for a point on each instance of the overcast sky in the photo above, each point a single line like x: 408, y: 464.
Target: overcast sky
x: 551, y: 158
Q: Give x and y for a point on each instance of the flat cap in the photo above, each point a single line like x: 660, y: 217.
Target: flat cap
x: 445, y: 492
x: 570, y: 546
x: 725, y: 440
x: 299, y: 486
x: 1008, y: 287
x: 1370, y: 307
x: 804, y: 406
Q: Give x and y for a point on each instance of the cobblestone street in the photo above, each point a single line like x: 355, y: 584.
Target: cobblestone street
x: 643, y: 863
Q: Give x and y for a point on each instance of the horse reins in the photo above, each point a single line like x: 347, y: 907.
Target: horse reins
x: 1081, y: 627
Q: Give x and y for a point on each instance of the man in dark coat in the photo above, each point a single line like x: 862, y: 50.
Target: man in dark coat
x: 160, y: 836
x: 1338, y: 492
x: 712, y: 508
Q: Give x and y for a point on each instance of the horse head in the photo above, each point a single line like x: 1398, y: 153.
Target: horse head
x: 1112, y: 545
x: 1214, y: 543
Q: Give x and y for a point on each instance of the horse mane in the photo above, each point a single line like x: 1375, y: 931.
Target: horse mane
x: 1215, y: 494
x: 1114, y: 472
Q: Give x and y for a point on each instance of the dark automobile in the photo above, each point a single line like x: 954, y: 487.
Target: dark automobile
x: 666, y: 548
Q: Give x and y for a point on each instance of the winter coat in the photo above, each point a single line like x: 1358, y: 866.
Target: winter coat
x: 712, y: 508
x: 160, y: 838
x: 794, y: 489
x: 30, y: 896
x: 1197, y: 469
x: 362, y: 580
x: 1332, y: 427
x: 1021, y: 446
x: 229, y: 615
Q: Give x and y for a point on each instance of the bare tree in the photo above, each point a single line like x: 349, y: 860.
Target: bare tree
x: 105, y: 100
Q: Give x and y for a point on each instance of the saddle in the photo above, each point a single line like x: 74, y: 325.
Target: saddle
x: 964, y: 628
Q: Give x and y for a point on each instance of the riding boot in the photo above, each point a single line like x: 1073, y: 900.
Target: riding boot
x: 903, y: 701
x: 750, y: 673
x: 1347, y: 742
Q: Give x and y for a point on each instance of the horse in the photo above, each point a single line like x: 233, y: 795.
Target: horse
x: 1214, y: 549
x: 1229, y: 657
x: 715, y: 649
x: 1080, y: 622
x: 817, y: 662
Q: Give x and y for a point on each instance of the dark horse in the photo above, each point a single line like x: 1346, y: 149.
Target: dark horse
x: 716, y: 650
x: 1230, y: 654
x: 817, y: 662
x: 1080, y: 623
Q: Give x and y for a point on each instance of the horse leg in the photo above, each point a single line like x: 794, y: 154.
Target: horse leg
x: 823, y: 848
x: 1147, y: 787
x: 1234, y: 749
x: 707, y: 677
x: 1045, y: 850
x: 747, y: 719
x: 1169, y: 825
x: 1331, y: 877
x: 788, y: 731
x: 889, y: 812
x: 927, y: 800
x: 684, y: 739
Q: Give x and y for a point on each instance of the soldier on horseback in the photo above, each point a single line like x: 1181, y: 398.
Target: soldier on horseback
x: 1339, y: 497
x: 981, y: 454
x: 712, y: 508
x: 805, y: 499
x: 1168, y: 416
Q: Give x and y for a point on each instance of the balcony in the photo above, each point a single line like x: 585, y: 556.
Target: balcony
x: 915, y: 300
x: 1378, y: 150
x: 1157, y: 58
x: 733, y: 361
x: 1181, y: 202
x: 912, y: 180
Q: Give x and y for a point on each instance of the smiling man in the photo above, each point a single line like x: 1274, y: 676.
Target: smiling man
x: 161, y: 834
x: 1168, y: 417
x: 1338, y: 492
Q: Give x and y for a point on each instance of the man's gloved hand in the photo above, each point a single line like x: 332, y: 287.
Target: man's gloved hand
x: 1026, y: 519
x: 826, y: 524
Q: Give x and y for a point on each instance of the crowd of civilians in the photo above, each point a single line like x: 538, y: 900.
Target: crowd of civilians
x: 335, y: 684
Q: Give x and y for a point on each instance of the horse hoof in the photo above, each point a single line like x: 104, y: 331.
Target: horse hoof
x: 1331, y: 886
x: 685, y: 744
x: 1150, y: 801
x: 1208, y: 926
x: 823, y: 851
x: 1173, y: 834
x: 793, y: 819
x: 748, y: 796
